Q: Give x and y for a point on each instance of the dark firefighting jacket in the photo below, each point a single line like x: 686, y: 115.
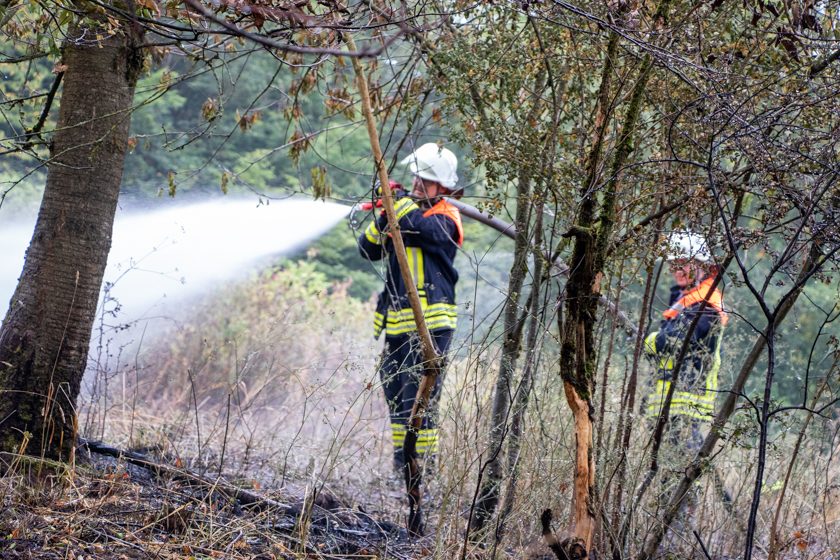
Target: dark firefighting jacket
x: 697, y: 383
x: 431, y: 239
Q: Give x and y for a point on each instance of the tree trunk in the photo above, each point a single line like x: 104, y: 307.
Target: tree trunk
x: 45, y: 336
x: 490, y: 478
x: 577, y: 367
x: 490, y: 481
x: 577, y: 351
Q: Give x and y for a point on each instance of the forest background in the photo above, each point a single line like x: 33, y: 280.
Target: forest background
x: 536, y: 101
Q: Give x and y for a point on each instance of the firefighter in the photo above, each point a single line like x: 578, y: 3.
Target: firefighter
x: 694, y: 272
x: 432, y: 233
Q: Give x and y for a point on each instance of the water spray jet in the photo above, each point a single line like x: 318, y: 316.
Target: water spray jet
x: 163, y: 257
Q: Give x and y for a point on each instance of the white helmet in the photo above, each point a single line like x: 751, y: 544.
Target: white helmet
x: 688, y: 245
x: 434, y: 163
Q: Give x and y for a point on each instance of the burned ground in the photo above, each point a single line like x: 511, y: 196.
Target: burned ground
x: 107, y: 507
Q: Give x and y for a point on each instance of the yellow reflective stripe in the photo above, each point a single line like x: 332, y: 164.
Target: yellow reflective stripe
x: 712, y: 377
x: 437, y: 316
x: 428, y: 310
x: 661, y: 391
x: 650, y: 343
x: 398, y: 432
x: 420, y: 279
x: 372, y: 234
x: 378, y: 324
x: 415, y: 266
x: 443, y: 316
x: 403, y: 328
x: 403, y: 206
x: 683, y: 402
x: 409, y: 257
x: 427, y: 441
x: 442, y: 323
x: 427, y: 435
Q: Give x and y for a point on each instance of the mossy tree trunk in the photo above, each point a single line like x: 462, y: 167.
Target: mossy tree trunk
x: 593, y: 235
x: 577, y: 351
x: 488, y: 495
x: 493, y: 467
x: 46, y: 333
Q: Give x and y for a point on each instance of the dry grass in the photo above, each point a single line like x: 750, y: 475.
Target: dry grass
x: 106, y: 508
x: 292, y: 408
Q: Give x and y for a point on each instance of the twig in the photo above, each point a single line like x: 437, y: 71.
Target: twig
x: 270, y: 43
x: 430, y: 357
x: 702, y: 546
x: 36, y: 130
x: 243, y: 497
x: 195, y: 404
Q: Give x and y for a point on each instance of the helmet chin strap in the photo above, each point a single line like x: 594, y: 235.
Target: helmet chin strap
x: 425, y: 202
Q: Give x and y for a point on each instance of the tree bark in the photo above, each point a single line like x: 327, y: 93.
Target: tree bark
x: 519, y: 406
x: 46, y: 333
x: 592, y: 243
x: 577, y: 351
x: 490, y: 478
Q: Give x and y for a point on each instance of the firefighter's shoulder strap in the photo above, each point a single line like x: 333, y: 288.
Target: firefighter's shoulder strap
x: 444, y: 208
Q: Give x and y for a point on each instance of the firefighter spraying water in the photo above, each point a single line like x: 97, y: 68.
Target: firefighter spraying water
x: 429, y: 219
x: 432, y: 232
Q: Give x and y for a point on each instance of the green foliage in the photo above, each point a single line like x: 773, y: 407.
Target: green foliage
x: 248, y: 337
x: 336, y: 256
x: 263, y: 126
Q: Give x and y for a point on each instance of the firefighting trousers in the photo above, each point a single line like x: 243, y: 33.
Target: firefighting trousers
x: 401, y: 371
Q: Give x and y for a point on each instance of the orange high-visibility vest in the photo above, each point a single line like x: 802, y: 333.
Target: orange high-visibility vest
x: 697, y: 294
x: 443, y: 207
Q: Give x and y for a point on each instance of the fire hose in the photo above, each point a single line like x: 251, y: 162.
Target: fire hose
x: 508, y: 230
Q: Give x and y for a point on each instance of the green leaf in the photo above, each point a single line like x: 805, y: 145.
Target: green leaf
x: 225, y: 179
x: 320, y: 186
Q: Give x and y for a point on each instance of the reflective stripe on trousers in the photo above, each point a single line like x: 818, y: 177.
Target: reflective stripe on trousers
x: 687, y: 403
